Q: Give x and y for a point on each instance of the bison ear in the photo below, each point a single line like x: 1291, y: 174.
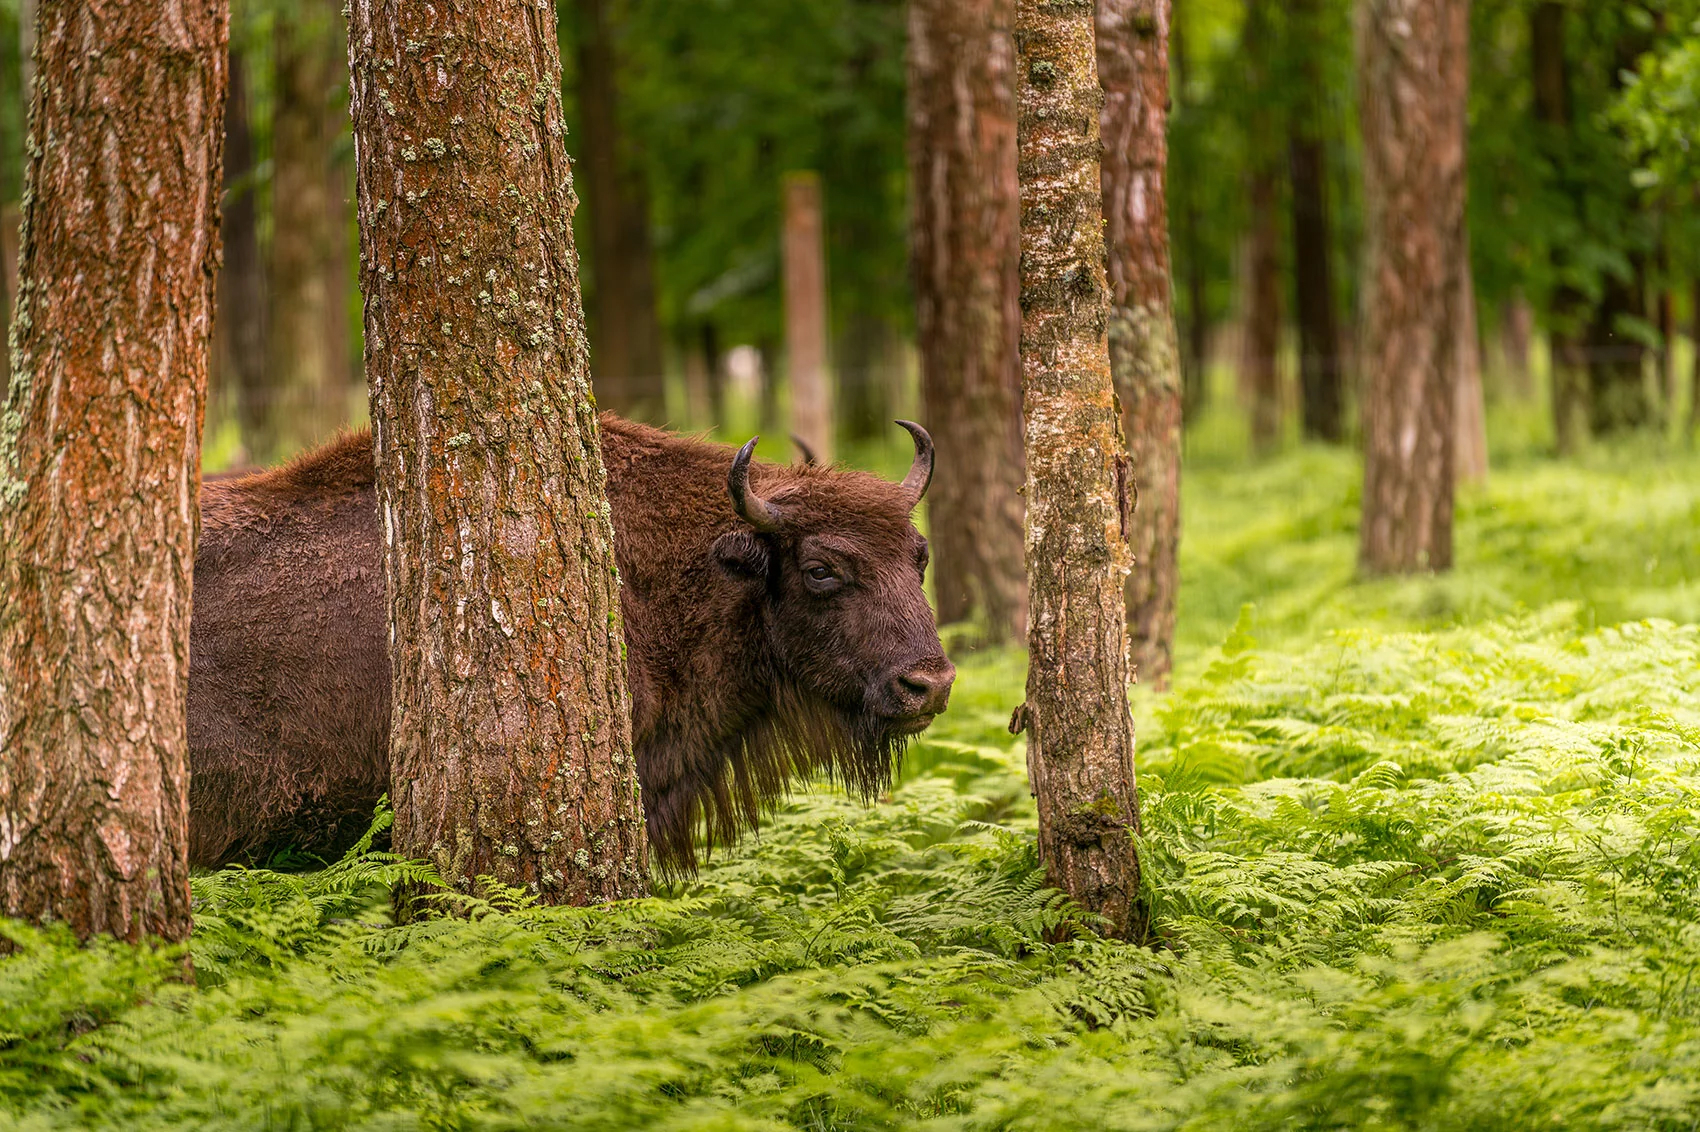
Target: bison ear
x: 742, y: 553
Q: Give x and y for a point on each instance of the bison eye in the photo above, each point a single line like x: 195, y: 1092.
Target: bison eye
x: 821, y: 579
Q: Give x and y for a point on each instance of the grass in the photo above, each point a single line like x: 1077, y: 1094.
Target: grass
x: 1419, y: 854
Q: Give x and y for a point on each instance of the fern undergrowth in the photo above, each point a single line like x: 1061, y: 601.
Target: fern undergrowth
x: 1418, y: 854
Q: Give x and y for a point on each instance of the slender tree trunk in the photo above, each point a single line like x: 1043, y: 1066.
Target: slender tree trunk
x: 1694, y: 370
x: 1412, y: 84
x: 864, y: 355
x: 510, y: 737
x: 1617, y: 384
x: 241, y: 323
x: 805, y: 313
x: 625, y: 330
x: 699, y: 409
x: 716, y: 366
x: 1551, y: 78
x: 965, y: 240
x: 1079, y: 491
x: 1470, y: 453
x: 337, y: 252
x: 1262, y: 285
x: 1516, y: 331
x: 100, y: 465
x: 1133, y: 65
x: 1195, y: 357
x: 301, y: 401
x: 1322, y: 382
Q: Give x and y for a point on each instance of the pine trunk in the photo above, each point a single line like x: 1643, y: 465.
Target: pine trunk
x: 1551, y: 74
x: 241, y: 324
x: 1133, y: 65
x: 303, y: 406
x: 804, y: 249
x: 625, y: 331
x: 1617, y: 386
x: 1261, y: 372
x: 1470, y: 454
x: 1079, y: 727
x: 965, y: 240
x: 510, y: 737
x: 100, y: 465
x: 1412, y: 84
x: 1322, y: 381
x: 337, y: 251
x: 1195, y: 358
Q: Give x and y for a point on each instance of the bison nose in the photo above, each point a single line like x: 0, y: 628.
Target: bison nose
x: 925, y: 688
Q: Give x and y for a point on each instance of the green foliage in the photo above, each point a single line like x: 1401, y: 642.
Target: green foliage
x: 1411, y: 864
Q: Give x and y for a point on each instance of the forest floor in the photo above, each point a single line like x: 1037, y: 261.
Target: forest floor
x: 1418, y: 854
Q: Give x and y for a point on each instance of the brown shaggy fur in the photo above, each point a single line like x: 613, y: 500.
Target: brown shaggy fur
x: 746, y: 674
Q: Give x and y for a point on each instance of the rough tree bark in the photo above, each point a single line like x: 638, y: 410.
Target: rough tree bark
x: 1413, y: 57
x: 1079, y: 727
x: 1133, y: 66
x: 100, y: 464
x: 1261, y: 374
x: 240, y: 328
x: 510, y: 738
x: 965, y: 240
x: 804, y: 247
x: 1322, y: 380
x: 625, y: 328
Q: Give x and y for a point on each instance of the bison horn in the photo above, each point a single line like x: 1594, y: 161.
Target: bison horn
x: 803, y: 447
x: 751, y: 508
x: 921, y: 471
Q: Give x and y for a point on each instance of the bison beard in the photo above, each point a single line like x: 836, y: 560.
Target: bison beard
x: 775, y: 629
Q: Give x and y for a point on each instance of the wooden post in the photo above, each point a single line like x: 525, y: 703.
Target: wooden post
x: 805, y: 313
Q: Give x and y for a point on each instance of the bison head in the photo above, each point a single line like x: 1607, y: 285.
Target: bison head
x: 839, y: 568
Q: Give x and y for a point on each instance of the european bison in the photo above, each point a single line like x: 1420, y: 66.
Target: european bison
x: 775, y: 626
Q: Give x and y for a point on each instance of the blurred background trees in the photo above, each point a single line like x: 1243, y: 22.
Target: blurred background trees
x: 686, y: 120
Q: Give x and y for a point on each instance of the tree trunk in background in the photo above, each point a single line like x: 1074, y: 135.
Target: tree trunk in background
x: 301, y: 406
x: 1617, y: 385
x: 1413, y: 81
x: 1470, y: 452
x: 100, y: 466
x: 716, y: 366
x: 1516, y: 332
x: 338, y: 252
x: 1261, y: 374
x: 1133, y: 65
x: 510, y: 736
x: 965, y: 240
x: 1195, y: 356
x: 625, y: 329
x: 1322, y: 379
x: 805, y: 313
x: 699, y: 409
x: 1078, y: 723
x: 1551, y: 78
x: 865, y: 356
x: 1694, y: 370
x: 240, y: 329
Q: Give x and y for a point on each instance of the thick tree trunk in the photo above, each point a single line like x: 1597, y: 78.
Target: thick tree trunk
x: 100, y: 465
x: 510, y: 738
x: 1133, y: 65
x: 303, y: 403
x: 805, y: 313
x: 241, y: 324
x: 1079, y: 491
x: 1413, y: 80
x: 1261, y: 374
x: 965, y: 240
x: 1322, y: 381
x: 625, y: 329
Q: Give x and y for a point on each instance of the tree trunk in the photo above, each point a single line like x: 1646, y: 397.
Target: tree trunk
x: 1413, y: 80
x: 1470, y: 453
x: 302, y: 406
x: 1551, y: 79
x: 805, y: 313
x: 240, y: 328
x: 865, y: 355
x: 337, y: 253
x: 1694, y: 370
x: 626, y: 332
x: 1079, y: 726
x: 699, y: 409
x: 1133, y: 65
x: 965, y: 240
x: 510, y: 736
x: 716, y: 366
x: 1617, y: 385
x: 1262, y: 285
x: 1195, y: 357
x: 1322, y: 382
x: 1516, y: 332
x: 100, y: 465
